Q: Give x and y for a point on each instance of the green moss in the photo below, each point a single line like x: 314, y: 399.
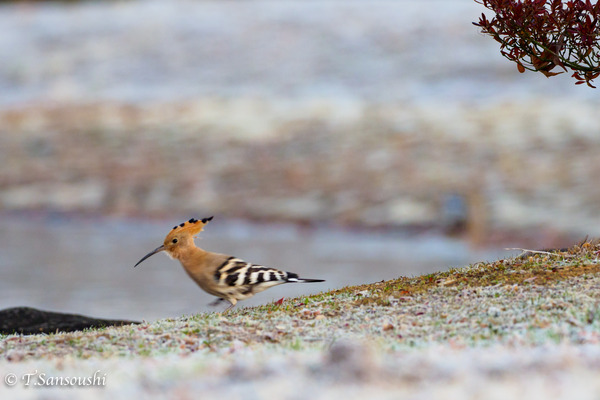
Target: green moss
x: 540, y: 268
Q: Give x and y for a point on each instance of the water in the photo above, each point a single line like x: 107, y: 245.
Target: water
x: 84, y: 265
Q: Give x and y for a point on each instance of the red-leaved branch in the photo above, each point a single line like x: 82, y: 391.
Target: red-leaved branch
x: 547, y: 35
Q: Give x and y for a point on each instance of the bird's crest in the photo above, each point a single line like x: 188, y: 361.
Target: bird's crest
x: 193, y: 226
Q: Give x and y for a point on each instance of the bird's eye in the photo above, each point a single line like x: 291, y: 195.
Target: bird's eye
x: 174, y: 240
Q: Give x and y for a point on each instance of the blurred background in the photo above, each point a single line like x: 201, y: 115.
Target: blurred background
x: 352, y: 141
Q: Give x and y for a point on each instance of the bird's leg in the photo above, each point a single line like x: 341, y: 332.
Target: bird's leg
x: 216, y: 302
x: 233, y: 303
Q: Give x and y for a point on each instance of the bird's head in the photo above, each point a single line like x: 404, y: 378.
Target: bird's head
x: 181, y: 237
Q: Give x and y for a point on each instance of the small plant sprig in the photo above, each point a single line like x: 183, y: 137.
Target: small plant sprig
x: 540, y: 35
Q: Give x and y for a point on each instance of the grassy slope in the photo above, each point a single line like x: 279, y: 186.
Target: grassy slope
x: 532, y: 299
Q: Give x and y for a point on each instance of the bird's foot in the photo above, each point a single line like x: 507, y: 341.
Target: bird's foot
x: 228, y: 308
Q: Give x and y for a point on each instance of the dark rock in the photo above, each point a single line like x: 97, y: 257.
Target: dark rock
x: 29, y: 321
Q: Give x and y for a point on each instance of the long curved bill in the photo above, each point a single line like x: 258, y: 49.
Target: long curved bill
x: 153, y: 252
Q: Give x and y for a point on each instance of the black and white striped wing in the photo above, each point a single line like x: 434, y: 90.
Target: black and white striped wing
x: 252, y: 278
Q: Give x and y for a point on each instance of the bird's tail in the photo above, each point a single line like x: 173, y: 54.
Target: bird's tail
x: 293, y: 278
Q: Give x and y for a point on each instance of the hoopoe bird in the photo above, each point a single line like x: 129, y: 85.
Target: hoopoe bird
x: 221, y: 275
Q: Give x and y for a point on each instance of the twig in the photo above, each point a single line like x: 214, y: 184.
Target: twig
x: 525, y: 251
